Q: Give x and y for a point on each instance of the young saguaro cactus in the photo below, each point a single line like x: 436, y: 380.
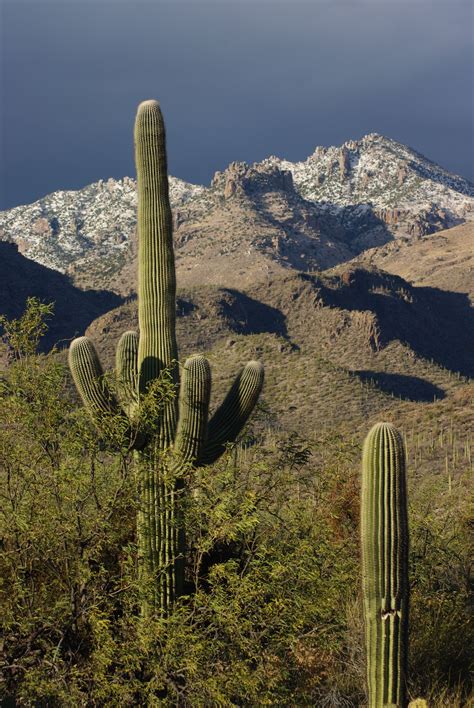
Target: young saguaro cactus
x: 182, y: 436
x: 384, y: 536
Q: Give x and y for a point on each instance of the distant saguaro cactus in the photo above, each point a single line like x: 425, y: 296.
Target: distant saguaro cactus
x: 384, y: 536
x: 182, y: 436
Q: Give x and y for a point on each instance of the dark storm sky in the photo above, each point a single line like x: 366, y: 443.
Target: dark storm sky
x: 237, y: 80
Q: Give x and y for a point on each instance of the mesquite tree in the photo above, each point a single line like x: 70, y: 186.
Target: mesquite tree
x: 182, y: 437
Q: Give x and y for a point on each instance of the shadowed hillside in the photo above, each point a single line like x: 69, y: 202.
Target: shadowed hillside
x: 435, y: 324
x: 74, y: 309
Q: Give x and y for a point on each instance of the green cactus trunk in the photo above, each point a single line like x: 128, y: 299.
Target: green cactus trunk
x: 160, y: 533
x: 384, y: 535
x: 157, y: 348
x: 161, y: 558
x: 182, y: 436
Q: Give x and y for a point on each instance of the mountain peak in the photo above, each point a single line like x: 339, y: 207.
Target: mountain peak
x: 379, y: 170
x: 375, y: 138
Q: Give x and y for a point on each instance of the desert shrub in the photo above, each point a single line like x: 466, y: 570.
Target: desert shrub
x: 442, y: 631
x: 66, y: 514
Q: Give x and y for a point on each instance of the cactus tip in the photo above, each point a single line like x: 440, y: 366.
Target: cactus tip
x: 149, y: 105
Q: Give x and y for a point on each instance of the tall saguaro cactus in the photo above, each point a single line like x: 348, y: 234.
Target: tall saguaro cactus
x: 182, y: 436
x: 384, y: 535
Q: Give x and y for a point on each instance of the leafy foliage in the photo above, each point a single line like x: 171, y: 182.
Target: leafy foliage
x: 272, y: 614
x: 22, y: 336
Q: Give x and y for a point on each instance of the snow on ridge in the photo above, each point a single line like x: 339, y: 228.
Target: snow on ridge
x: 378, y: 170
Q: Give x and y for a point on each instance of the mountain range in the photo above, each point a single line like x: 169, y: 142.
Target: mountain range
x: 252, y: 222
x: 349, y: 274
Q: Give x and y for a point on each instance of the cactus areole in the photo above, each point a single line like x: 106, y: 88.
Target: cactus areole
x: 182, y: 437
x: 384, y: 536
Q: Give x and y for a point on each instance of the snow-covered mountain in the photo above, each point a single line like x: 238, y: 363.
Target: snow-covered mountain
x: 64, y: 227
x: 311, y: 214
x: 379, y: 170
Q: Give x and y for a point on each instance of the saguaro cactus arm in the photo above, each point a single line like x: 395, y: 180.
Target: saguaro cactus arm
x: 233, y: 413
x: 384, y: 536
x: 195, y: 392
x: 89, y: 378
x: 126, y: 369
x: 99, y: 400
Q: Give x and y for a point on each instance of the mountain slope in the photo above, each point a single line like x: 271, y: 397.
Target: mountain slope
x: 443, y: 260
x: 340, y: 350
x: 410, y: 194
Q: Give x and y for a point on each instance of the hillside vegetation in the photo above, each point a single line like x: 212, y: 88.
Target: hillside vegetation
x: 273, y: 614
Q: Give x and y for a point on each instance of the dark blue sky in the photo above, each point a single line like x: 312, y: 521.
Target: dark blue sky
x: 237, y: 80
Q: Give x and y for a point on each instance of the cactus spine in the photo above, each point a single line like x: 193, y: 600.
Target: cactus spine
x: 182, y: 435
x: 384, y: 535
